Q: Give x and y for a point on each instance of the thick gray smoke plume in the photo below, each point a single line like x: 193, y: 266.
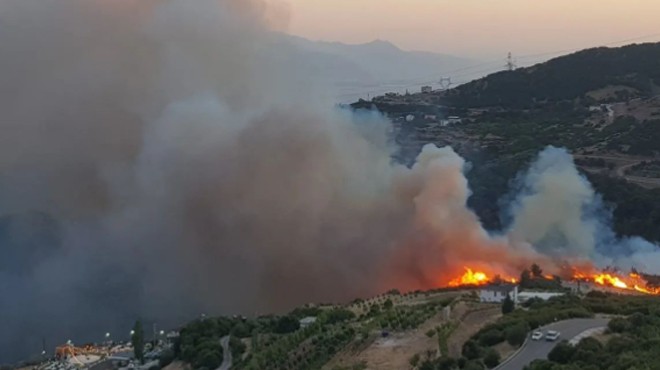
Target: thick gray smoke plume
x: 168, y: 157
x: 164, y: 158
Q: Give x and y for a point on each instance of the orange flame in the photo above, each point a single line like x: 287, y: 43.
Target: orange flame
x: 470, y: 278
x: 607, y: 279
x: 473, y: 277
x: 632, y: 282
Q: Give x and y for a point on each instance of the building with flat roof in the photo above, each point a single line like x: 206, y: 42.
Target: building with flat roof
x: 497, y: 293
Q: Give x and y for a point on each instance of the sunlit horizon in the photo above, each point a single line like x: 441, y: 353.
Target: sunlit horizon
x: 477, y: 28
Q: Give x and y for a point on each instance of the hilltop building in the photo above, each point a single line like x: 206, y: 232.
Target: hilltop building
x: 497, y: 293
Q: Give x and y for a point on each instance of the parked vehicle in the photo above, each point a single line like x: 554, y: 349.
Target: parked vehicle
x: 552, y: 336
x: 537, y: 335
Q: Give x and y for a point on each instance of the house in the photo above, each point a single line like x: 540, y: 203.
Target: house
x: 307, y: 321
x: 451, y: 120
x: 497, y: 293
x: 526, y: 296
x: 427, y: 89
x: 454, y: 120
x: 577, y: 287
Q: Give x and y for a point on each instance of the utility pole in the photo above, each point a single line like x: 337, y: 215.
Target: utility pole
x: 510, y: 64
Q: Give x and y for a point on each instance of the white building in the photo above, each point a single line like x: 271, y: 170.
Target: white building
x: 451, y: 120
x: 307, y: 321
x: 577, y: 287
x: 454, y: 120
x: 497, y: 293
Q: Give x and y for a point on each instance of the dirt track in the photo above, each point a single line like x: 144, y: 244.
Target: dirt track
x: 622, y: 165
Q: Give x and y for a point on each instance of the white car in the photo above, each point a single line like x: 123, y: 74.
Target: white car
x: 537, y: 335
x: 552, y: 336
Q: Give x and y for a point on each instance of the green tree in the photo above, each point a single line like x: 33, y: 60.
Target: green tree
x: 525, y: 278
x: 508, y: 305
x: 562, y: 353
x: 337, y: 315
x: 618, y: 325
x: 536, y: 271
x: 427, y: 365
x: 447, y: 363
x: 137, y: 339
x: 492, y: 358
x: 208, y: 359
x: 241, y: 330
x: 471, y: 350
x: 491, y: 338
x: 388, y: 304
x: 287, y: 324
x: 166, y: 357
x: 540, y: 365
x: 237, y: 347
x: 473, y: 365
x: 414, y: 360
x: 517, y: 334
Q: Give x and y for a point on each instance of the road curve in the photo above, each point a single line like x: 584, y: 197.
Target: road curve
x: 536, y: 350
x: 226, y: 358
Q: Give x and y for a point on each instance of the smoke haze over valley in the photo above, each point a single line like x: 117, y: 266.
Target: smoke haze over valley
x: 164, y: 158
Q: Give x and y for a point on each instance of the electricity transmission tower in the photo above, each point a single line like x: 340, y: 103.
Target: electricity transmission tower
x: 510, y: 63
x: 445, y: 82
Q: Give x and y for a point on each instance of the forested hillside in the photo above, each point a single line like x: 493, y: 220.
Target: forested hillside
x: 636, y: 67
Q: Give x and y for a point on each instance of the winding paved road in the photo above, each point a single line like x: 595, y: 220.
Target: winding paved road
x: 535, y: 350
x: 226, y: 356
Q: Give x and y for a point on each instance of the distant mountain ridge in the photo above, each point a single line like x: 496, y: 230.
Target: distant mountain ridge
x: 376, y: 67
x: 634, y: 68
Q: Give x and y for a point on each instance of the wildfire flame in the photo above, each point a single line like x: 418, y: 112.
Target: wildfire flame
x: 472, y: 277
x: 630, y: 282
x: 607, y: 279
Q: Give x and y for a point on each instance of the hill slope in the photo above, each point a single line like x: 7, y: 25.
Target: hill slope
x: 633, y: 68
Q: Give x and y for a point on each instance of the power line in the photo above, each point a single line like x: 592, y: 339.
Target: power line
x: 495, y: 66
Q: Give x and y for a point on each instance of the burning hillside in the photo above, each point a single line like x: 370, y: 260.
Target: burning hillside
x: 206, y: 173
x: 632, y: 282
x: 477, y: 278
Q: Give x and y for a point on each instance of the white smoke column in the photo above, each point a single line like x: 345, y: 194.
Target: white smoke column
x: 551, y: 211
x: 447, y: 236
x: 558, y: 212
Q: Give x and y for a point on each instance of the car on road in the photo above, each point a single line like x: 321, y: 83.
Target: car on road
x: 552, y: 335
x: 537, y: 335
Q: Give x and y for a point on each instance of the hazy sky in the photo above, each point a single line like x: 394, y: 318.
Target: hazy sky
x: 477, y: 27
